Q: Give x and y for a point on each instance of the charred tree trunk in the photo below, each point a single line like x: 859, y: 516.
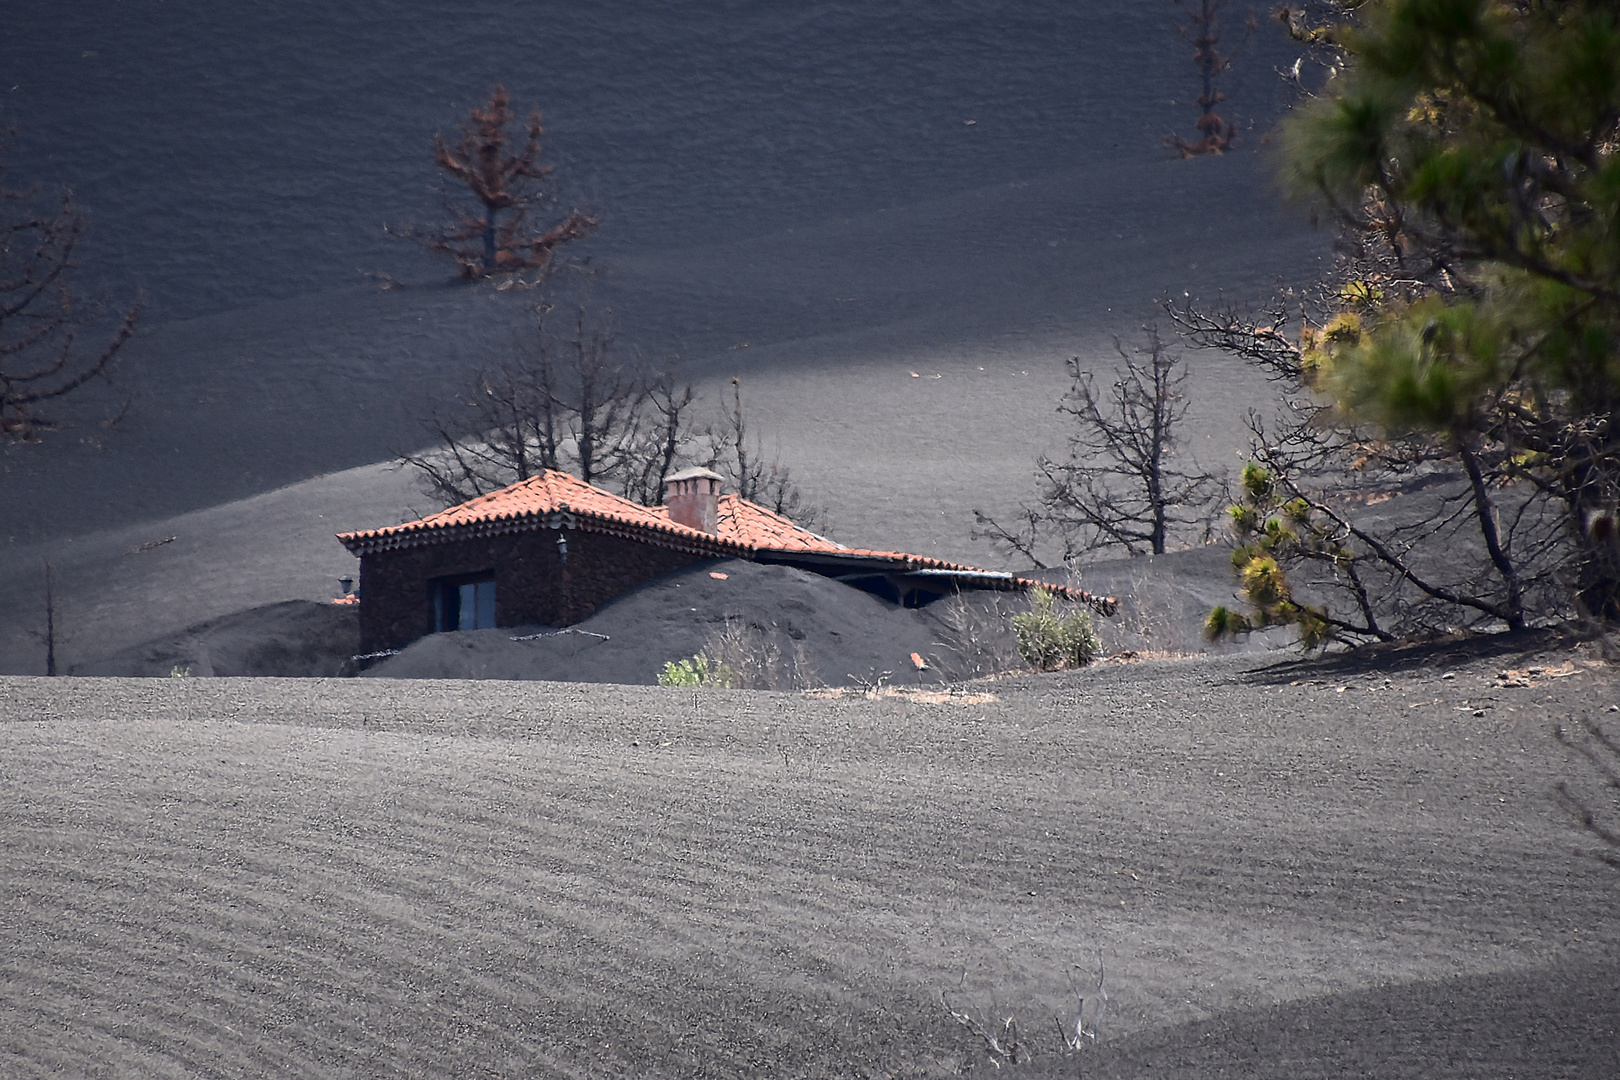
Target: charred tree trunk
x: 50, y: 622
x: 1215, y: 133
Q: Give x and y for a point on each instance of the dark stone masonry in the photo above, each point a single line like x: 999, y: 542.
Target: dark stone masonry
x: 531, y: 585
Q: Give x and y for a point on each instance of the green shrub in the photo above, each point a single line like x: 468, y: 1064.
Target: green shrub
x: 697, y: 672
x: 1051, y: 642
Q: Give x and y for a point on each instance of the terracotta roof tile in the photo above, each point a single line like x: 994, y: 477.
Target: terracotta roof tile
x: 548, y: 493
x: 751, y: 525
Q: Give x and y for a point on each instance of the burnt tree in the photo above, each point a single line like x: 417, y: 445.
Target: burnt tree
x: 742, y: 461
x: 500, y: 167
x: 1119, y: 486
x: 1215, y: 133
x: 568, y: 403
x: 42, y: 317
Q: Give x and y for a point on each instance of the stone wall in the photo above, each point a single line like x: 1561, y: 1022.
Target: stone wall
x: 531, y: 587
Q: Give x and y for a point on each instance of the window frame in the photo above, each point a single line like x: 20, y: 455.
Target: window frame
x: 449, y: 602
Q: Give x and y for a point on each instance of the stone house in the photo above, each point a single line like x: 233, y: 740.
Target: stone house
x: 552, y: 549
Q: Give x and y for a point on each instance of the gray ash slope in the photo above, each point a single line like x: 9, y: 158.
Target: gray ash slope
x: 797, y: 197
x: 235, y: 156
x: 1353, y: 865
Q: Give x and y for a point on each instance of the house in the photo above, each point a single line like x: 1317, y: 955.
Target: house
x: 552, y: 549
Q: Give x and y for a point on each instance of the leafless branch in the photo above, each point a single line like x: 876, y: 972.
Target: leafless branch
x: 566, y: 404
x: 1117, y: 487
x: 737, y: 456
x: 41, y: 315
x: 509, y: 184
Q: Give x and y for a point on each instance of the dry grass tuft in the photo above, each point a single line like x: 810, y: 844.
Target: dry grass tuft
x: 759, y: 657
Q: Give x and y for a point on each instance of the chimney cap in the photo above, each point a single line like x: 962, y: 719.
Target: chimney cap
x: 695, y: 473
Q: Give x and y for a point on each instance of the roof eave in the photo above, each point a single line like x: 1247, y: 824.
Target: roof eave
x: 674, y: 538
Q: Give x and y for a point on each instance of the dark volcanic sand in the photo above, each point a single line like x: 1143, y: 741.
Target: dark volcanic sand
x: 794, y: 197
x: 797, y: 198
x: 779, y: 628
x: 1361, y: 874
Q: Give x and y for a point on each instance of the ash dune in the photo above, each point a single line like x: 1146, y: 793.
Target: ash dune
x: 782, y: 196
x: 1304, y: 872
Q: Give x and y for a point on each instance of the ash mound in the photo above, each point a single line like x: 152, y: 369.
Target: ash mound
x: 775, y: 626
x: 291, y: 638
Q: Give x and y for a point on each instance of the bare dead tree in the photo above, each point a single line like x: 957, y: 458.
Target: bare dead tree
x: 568, y: 404
x: 50, y: 621
x: 599, y: 401
x: 659, y: 440
x: 1118, y: 487
x: 47, y: 637
x: 41, y: 315
x: 498, y: 433
x: 737, y: 456
x: 502, y: 171
x: 1215, y: 133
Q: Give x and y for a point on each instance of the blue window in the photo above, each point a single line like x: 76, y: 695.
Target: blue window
x: 464, y: 603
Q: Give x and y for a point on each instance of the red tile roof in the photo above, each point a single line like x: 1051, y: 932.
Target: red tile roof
x: 743, y: 530
x: 536, y: 502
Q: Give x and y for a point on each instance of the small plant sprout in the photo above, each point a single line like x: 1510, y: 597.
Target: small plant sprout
x: 698, y: 672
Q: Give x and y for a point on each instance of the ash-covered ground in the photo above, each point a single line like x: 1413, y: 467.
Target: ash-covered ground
x: 1349, y: 867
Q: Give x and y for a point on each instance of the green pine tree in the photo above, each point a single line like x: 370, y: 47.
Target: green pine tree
x: 1470, y: 149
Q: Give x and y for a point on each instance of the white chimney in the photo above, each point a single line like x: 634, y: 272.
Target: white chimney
x: 693, y: 498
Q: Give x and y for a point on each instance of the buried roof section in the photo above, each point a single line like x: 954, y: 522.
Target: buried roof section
x: 743, y: 530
